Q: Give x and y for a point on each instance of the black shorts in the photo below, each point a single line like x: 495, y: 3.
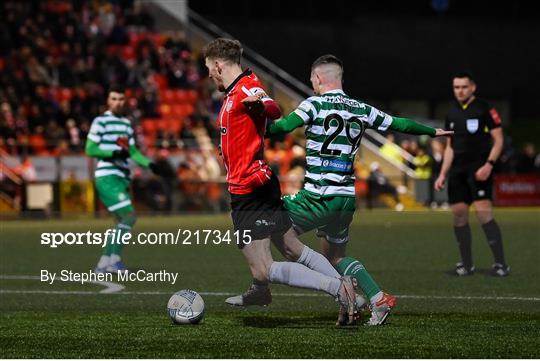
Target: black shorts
x: 260, y: 212
x: 463, y: 187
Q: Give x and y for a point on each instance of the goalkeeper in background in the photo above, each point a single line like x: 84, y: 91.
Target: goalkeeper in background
x: 335, y: 124
x: 111, y: 141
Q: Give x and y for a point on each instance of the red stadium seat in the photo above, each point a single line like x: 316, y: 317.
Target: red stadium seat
x: 134, y: 38
x: 193, y: 96
x: 181, y: 110
x: 161, y: 124
x: 161, y: 81
x: 187, y: 109
x: 168, y: 96
x: 165, y: 110
x: 174, y: 124
x: 38, y: 144
x: 181, y: 96
x: 149, y: 126
x: 158, y: 39
x: 128, y: 52
x: 65, y: 94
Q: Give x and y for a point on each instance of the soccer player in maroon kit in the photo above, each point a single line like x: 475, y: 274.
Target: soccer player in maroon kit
x: 257, y: 208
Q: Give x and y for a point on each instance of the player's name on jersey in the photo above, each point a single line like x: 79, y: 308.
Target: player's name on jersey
x: 92, y: 277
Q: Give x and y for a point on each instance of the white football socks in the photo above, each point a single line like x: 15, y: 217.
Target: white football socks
x: 298, y: 275
x: 104, y: 261
x: 115, y: 258
x: 376, y: 298
x: 317, y: 262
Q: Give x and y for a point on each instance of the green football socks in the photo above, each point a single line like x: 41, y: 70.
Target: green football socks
x: 352, y: 267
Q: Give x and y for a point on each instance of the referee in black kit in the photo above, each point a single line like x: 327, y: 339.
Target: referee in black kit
x: 469, y: 158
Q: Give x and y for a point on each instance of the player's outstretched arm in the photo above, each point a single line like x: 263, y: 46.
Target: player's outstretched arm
x: 138, y: 157
x: 405, y: 125
x: 285, y: 125
x: 443, y: 133
x: 143, y: 161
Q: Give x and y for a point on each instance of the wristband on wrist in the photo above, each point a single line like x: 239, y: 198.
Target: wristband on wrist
x: 491, y: 161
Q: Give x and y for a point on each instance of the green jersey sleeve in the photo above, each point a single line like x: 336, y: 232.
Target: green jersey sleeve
x: 134, y: 153
x: 379, y: 120
x: 308, y: 109
x: 286, y: 125
x: 92, y: 149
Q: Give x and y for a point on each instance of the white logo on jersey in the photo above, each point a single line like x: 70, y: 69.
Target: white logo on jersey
x: 472, y: 125
x: 229, y: 105
x: 481, y: 193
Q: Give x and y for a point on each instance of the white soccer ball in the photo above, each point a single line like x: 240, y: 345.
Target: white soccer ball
x: 186, y: 307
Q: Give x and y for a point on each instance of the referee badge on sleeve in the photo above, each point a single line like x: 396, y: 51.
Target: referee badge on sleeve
x: 472, y: 125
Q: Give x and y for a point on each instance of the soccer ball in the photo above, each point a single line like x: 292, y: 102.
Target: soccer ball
x: 185, y: 307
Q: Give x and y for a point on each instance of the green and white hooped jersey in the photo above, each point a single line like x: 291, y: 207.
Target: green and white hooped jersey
x: 110, y: 132
x: 335, y: 124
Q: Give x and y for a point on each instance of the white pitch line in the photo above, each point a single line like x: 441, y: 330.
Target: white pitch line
x: 428, y: 297
x: 110, y: 287
x: 116, y: 288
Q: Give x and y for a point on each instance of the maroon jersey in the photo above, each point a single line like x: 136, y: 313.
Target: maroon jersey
x: 242, y: 135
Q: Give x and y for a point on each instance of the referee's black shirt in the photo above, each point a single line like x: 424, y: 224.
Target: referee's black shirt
x: 472, y: 139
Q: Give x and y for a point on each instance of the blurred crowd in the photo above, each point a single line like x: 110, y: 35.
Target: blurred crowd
x: 57, y: 59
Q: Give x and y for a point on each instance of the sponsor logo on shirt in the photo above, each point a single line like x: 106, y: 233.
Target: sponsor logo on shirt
x: 229, y: 105
x: 336, y: 165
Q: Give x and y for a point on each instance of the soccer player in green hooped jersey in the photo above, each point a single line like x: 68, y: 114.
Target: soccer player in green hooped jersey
x: 335, y: 124
x: 111, y: 141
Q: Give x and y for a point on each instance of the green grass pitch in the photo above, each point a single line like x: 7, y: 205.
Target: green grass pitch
x: 438, y: 316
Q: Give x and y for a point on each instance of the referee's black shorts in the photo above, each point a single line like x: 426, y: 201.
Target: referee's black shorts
x: 463, y: 186
x: 260, y: 212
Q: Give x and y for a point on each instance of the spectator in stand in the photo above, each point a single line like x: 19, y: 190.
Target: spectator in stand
x: 423, y: 164
x: 379, y: 184
x: 74, y: 135
x: 139, y: 17
x: 54, y: 134
x: 177, y: 44
x: 390, y: 150
x: 148, y: 104
x: 528, y: 160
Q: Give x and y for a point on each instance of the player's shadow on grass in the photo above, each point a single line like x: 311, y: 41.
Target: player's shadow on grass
x: 264, y: 321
